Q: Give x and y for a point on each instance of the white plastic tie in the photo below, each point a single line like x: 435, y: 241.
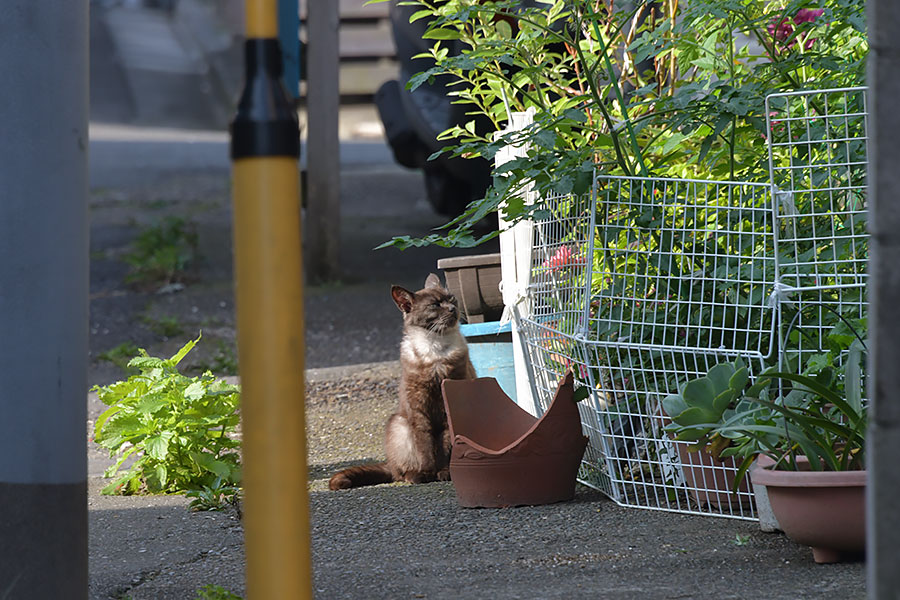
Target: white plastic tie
x: 507, y: 314
x: 779, y: 295
x: 786, y: 199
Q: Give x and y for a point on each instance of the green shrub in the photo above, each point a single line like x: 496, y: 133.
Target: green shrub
x: 660, y: 89
x: 177, y: 429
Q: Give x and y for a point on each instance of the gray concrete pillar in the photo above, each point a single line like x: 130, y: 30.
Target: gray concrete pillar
x: 883, y: 452
x: 43, y: 298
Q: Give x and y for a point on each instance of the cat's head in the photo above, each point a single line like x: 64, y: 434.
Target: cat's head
x: 433, y: 307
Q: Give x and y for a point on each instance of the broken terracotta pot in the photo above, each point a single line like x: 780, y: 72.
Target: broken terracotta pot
x: 503, y: 456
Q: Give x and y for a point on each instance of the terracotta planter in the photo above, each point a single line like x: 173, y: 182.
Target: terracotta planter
x: 711, y: 482
x: 503, y: 456
x: 475, y: 281
x: 821, y: 509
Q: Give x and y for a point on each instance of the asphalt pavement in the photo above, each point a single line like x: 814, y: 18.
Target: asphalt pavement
x: 159, y: 147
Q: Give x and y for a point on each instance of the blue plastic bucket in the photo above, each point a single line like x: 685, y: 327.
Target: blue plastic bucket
x: 491, y: 352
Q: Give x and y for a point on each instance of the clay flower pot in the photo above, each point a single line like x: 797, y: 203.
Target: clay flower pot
x: 475, y: 281
x: 821, y: 509
x: 712, y: 482
x: 503, y: 456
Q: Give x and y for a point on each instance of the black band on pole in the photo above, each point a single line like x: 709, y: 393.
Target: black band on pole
x: 266, y: 122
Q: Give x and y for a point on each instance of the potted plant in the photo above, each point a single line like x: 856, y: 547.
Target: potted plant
x: 809, y: 430
x: 475, y: 281
x: 694, y: 412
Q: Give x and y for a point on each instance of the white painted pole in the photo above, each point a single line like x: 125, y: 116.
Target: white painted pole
x: 515, y: 265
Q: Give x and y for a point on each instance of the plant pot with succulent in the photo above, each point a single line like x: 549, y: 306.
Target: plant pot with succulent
x: 811, y: 427
x: 706, y: 454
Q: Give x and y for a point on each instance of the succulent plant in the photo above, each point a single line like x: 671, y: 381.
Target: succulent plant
x: 704, y: 402
x: 784, y: 415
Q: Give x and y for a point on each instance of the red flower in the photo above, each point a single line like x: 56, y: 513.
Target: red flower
x: 564, y: 257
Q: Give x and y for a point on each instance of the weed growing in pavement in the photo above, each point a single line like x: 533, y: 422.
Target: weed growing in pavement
x: 120, y: 355
x: 162, y: 253
x: 214, y: 497
x: 223, y: 362
x: 165, y: 326
x: 177, y: 429
x: 215, y: 592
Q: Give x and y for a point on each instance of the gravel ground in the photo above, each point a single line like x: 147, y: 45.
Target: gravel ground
x: 402, y: 541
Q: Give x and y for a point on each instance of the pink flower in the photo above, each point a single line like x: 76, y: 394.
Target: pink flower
x: 564, y: 257
x: 808, y: 15
x: 781, y: 30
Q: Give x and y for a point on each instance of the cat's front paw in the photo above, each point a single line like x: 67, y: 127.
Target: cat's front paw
x: 416, y: 477
x: 443, y: 475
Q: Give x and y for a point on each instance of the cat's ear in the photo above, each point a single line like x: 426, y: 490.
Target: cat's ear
x: 433, y: 281
x: 402, y: 298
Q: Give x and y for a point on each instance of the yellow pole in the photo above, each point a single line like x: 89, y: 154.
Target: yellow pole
x: 262, y: 18
x: 269, y: 290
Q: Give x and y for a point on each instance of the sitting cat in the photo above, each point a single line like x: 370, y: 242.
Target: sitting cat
x: 417, y: 440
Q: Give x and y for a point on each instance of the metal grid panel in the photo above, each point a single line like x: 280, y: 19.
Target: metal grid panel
x: 679, y: 279
x: 560, y: 262
x: 817, y: 154
x: 651, y: 282
x: 683, y: 264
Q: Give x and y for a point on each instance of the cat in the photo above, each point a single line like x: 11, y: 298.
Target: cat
x: 417, y: 439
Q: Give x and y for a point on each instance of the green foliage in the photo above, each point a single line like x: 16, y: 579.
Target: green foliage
x: 665, y: 89
x: 177, y: 430
x: 215, y: 592
x: 162, y: 253
x: 704, y: 401
x: 119, y: 355
x: 165, y: 326
x: 214, y: 497
x: 819, y: 414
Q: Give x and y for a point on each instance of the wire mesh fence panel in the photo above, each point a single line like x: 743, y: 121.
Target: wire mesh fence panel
x: 683, y: 264
x: 662, y: 279
x: 818, y: 160
x: 648, y: 283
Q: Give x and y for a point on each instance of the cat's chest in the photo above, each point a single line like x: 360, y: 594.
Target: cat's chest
x: 426, y: 348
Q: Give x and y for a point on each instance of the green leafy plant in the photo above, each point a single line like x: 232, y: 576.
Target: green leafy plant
x: 216, y: 496
x: 162, y: 253
x: 177, y: 430
x: 705, y: 401
x: 119, y: 355
x: 215, y: 592
x: 783, y: 415
x: 661, y: 88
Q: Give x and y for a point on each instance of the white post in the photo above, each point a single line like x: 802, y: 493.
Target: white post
x: 515, y: 265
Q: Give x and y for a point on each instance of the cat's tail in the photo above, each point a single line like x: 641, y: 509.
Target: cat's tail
x: 352, y: 477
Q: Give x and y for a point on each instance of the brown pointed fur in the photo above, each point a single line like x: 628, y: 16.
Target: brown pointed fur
x: 417, y: 440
